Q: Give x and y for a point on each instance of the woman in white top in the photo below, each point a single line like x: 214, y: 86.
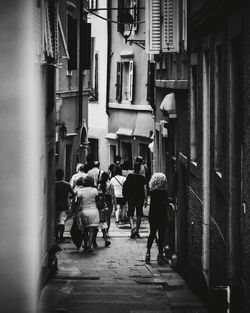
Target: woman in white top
x: 119, y: 201
x: 89, y: 213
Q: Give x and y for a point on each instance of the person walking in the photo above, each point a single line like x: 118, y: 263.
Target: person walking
x: 96, y: 173
x: 63, y: 192
x: 107, y: 189
x: 113, y: 166
x: 89, y: 213
x: 75, y: 177
x: 135, y: 190
x: 158, y: 214
x: 119, y: 201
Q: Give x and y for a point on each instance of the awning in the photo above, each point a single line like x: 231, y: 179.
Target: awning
x: 144, y: 125
x: 111, y: 136
x: 168, y: 105
x: 124, y: 132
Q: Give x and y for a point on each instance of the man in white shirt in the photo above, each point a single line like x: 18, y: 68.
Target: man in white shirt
x: 119, y: 201
x: 96, y: 173
x: 76, y: 176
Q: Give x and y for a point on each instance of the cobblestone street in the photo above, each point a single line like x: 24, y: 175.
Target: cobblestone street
x: 116, y: 279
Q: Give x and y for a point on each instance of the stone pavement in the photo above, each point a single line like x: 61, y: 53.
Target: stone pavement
x: 116, y: 279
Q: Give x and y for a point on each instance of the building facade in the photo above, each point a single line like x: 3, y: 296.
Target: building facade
x: 98, y: 82
x: 74, y: 33
x: 130, y: 122
x: 166, y: 45
x: 199, y: 52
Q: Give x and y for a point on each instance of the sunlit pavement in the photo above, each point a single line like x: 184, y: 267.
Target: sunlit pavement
x: 116, y: 279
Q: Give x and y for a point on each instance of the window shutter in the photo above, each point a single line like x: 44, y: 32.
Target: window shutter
x: 53, y: 25
x: 119, y: 82
x: 150, y: 83
x: 131, y: 80
x: 153, y: 26
x: 86, y: 44
x: 170, y: 33
x: 184, y: 24
x: 96, y: 76
x: 72, y: 43
x: 92, y: 44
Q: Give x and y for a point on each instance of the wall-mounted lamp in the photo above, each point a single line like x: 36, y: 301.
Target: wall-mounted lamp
x: 62, y: 130
x: 126, y: 21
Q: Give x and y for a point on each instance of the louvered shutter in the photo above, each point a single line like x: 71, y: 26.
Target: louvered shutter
x: 131, y: 80
x: 153, y: 26
x: 92, y: 44
x: 96, y: 76
x: 184, y: 24
x: 72, y: 43
x: 53, y: 24
x: 170, y: 30
x: 150, y: 83
x: 86, y: 45
x: 119, y: 82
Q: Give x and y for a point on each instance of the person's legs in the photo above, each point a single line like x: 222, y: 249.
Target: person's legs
x: 91, y: 238
x: 123, y: 212
x: 105, y: 237
x: 139, y: 213
x: 95, y: 236
x: 110, y: 209
x: 161, y: 231
x: 151, y: 238
x: 85, y: 238
x: 117, y: 213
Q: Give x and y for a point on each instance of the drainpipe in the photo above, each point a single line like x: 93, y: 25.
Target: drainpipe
x: 80, y: 81
x: 108, y: 57
x: 206, y: 175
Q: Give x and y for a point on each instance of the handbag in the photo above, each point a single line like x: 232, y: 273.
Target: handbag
x: 76, y: 234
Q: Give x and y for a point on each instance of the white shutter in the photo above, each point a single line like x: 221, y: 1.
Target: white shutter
x: 153, y: 26
x: 184, y: 24
x: 131, y: 80
x: 170, y: 31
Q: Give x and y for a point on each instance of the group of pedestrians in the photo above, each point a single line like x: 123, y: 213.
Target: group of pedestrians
x: 93, y: 195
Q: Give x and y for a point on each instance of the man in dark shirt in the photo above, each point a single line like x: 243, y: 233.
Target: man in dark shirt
x: 62, y: 192
x: 135, y: 191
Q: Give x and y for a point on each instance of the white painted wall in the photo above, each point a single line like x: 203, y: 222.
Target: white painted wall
x: 98, y: 119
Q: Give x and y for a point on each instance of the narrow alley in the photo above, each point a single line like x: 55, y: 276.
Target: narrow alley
x: 116, y: 279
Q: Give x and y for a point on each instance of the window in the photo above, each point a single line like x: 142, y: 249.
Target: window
x: 194, y: 113
x: 72, y: 38
x: 126, y: 153
x: 125, y: 80
x: 93, y: 148
x: 112, y: 152
x: 165, y: 22
x: 218, y: 108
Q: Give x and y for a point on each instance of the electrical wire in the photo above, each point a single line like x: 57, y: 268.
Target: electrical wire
x: 109, y: 20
